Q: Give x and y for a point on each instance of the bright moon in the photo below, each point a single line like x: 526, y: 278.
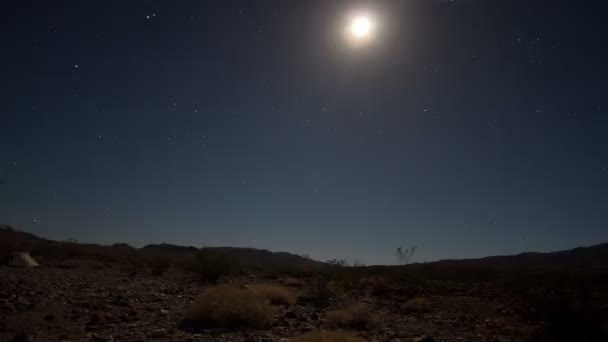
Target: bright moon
x: 360, y: 27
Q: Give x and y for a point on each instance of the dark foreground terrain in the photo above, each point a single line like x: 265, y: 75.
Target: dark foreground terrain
x: 114, y: 296
x: 91, y: 302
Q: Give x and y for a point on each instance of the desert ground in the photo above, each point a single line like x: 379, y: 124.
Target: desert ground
x: 94, y: 302
x: 117, y: 293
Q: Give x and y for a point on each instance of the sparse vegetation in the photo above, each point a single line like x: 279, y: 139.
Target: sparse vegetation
x: 212, y: 265
x: 553, y: 303
x: 277, y: 295
x: 405, y: 255
x: 319, y: 291
x: 357, y: 316
x: 292, y: 282
x: 337, y: 262
x: 230, y: 307
x: 328, y: 336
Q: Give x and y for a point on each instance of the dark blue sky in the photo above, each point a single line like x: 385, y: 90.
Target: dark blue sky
x: 468, y: 128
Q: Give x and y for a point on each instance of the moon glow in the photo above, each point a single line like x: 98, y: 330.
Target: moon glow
x: 360, y: 27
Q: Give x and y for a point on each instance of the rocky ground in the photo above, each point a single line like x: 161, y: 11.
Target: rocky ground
x: 94, y: 302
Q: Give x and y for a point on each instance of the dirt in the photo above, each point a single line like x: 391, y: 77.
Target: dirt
x: 89, y: 302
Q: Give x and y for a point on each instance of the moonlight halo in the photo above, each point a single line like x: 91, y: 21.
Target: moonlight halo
x: 359, y: 28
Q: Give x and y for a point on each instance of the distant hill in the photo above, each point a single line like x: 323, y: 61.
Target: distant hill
x: 262, y: 257
x: 169, y: 248
x: 581, y: 258
x: 249, y: 256
x: 246, y: 255
x: 588, y: 258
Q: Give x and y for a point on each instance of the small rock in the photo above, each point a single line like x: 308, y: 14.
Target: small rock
x: 7, y: 306
x: 158, y: 333
x: 95, y: 319
x: 24, y: 304
x: 425, y: 338
x: 99, y: 337
x: 416, y: 305
x: 164, y: 312
x: 22, y: 337
x: 291, y: 315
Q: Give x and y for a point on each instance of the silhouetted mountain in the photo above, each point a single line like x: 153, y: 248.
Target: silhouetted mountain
x: 262, y: 257
x: 248, y: 256
x: 589, y: 258
x: 9, y: 233
x: 169, y: 248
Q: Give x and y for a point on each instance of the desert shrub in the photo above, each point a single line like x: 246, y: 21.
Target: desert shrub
x: 7, y: 248
x: 292, y: 282
x: 328, y: 336
x: 230, y: 307
x: 416, y: 305
x: 158, y: 265
x: 319, y: 291
x: 378, y: 287
x: 212, y: 265
x: 337, y: 262
x: 356, y: 316
x: 277, y: 295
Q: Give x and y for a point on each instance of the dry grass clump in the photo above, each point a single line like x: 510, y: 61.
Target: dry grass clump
x: 328, y: 336
x: 292, y: 282
x: 319, y: 292
x: 416, y: 305
x: 230, y: 307
x: 357, y: 316
x: 277, y: 295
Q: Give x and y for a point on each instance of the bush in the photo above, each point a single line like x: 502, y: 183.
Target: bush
x: 319, y: 292
x: 357, y: 316
x: 416, y: 305
x: 212, y: 265
x: 379, y: 287
x: 292, y: 282
x: 277, y: 295
x: 328, y: 336
x: 230, y: 307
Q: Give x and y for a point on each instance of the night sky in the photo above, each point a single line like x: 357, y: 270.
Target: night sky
x: 466, y: 127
